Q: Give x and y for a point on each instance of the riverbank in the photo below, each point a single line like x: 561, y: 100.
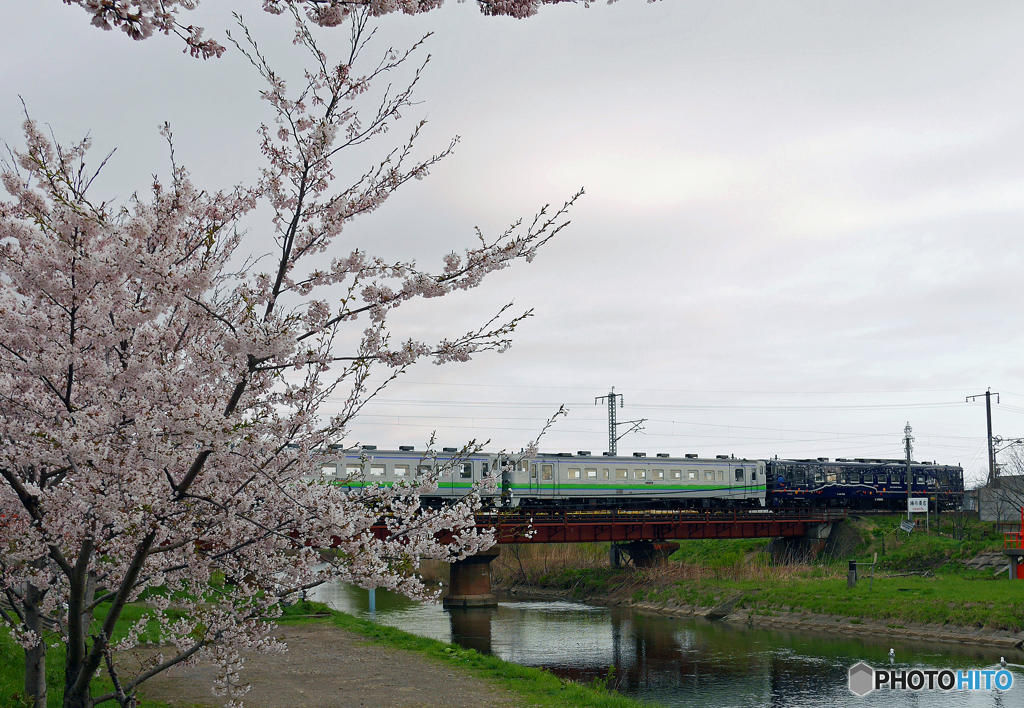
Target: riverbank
x: 926, y: 587
x: 799, y: 620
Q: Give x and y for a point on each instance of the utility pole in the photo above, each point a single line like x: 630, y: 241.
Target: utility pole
x: 907, y: 440
x: 988, y: 416
x: 613, y: 440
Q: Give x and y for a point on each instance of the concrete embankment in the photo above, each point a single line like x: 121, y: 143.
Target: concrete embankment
x: 809, y: 622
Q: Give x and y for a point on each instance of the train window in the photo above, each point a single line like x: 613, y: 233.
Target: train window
x: 818, y: 478
x: 676, y: 474
x: 799, y: 477
x: 574, y: 473
x: 657, y: 474
x: 401, y: 470
x: 604, y: 473
x: 721, y: 475
x: 483, y: 468
x: 621, y: 474
x: 692, y: 474
x: 522, y: 465
x: 545, y: 471
x: 709, y: 475
x: 931, y: 481
x: 739, y: 474
x: 830, y: 477
x: 467, y: 470
x: 639, y: 474
x: 881, y: 479
x: 591, y: 473
x: 918, y: 479
x: 328, y: 470
x: 377, y: 470
x: 533, y: 471
x: 753, y: 475
x: 422, y: 470
x: 353, y: 470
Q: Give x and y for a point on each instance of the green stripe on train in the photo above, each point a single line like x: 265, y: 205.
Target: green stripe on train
x: 635, y: 487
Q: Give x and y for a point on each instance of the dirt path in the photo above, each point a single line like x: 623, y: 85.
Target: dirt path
x: 327, y: 667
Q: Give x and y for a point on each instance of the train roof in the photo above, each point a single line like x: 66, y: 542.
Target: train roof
x: 865, y: 461
x: 605, y: 457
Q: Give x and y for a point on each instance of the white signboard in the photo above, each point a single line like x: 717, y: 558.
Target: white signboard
x: 918, y: 505
x: 906, y: 525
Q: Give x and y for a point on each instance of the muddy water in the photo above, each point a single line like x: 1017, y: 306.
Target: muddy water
x: 685, y: 662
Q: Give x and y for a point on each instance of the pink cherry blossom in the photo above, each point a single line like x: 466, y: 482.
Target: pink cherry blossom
x: 163, y: 418
x: 141, y: 19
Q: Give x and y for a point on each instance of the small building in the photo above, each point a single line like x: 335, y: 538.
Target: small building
x: 1001, y: 501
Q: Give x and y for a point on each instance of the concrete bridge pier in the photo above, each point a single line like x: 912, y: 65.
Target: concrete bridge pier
x: 1016, y: 558
x: 647, y: 554
x: 469, y: 581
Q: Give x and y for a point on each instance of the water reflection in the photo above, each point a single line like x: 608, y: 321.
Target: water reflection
x: 683, y: 662
x: 471, y: 627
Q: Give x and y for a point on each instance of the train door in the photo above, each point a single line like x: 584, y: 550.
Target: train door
x: 548, y: 479
x: 739, y: 481
x: 466, y: 476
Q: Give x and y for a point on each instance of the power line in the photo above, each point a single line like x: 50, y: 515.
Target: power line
x: 655, y: 406
x: 687, y: 390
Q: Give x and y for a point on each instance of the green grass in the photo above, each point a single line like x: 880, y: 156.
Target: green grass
x: 12, y: 674
x: 718, y: 553
x: 919, y: 551
x: 534, y: 687
x: 940, y: 600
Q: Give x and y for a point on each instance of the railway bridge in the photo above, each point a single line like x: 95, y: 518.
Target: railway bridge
x: 647, y: 536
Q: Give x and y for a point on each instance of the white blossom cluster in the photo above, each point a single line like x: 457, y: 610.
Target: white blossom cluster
x: 141, y: 19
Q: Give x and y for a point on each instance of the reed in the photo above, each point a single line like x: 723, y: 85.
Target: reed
x: 536, y: 563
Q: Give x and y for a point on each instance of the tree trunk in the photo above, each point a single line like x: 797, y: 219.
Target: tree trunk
x: 35, y: 658
x: 78, y: 701
x: 82, y: 595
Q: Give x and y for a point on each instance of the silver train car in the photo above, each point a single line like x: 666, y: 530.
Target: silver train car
x: 564, y: 480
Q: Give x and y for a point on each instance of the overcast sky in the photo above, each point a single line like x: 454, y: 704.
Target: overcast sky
x: 802, y: 226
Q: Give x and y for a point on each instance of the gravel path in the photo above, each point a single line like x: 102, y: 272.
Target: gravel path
x: 327, y: 667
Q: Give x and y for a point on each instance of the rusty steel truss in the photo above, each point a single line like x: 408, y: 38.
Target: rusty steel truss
x: 525, y: 526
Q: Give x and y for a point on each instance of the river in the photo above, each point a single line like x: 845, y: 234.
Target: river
x: 685, y: 662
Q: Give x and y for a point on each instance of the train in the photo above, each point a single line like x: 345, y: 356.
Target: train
x: 583, y: 480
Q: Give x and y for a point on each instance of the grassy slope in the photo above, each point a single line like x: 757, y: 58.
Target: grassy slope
x: 941, y: 599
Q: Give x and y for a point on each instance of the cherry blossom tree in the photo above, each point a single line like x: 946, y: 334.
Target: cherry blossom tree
x: 163, y: 388
x: 141, y: 19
